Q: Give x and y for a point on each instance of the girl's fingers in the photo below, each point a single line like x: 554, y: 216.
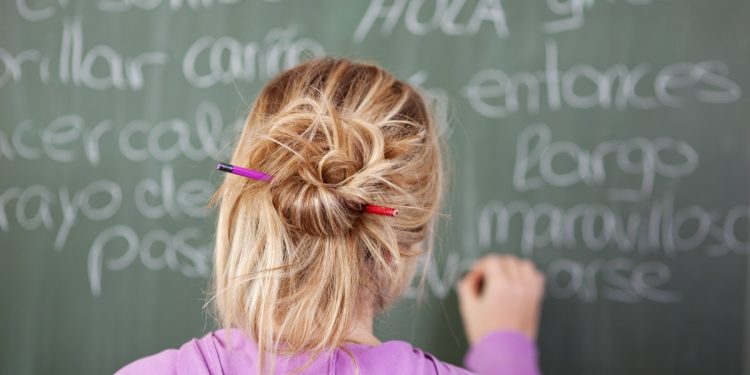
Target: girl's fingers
x: 469, y: 286
x: 499, y: 270
x: 501, y: 292
x: 527, y: 269
x: 519, y: 271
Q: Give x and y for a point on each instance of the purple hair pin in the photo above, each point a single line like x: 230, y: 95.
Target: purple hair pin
x: 262, y: 176
x: 244, y: 172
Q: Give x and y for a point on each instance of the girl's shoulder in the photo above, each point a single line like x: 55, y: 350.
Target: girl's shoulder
x: 231, y: 352
x: 500, y: 352
x: 394, y: 356
x: 210, y: 354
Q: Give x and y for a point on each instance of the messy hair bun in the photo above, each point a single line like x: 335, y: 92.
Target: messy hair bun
x: 321, y: 187
x: 296, y: 259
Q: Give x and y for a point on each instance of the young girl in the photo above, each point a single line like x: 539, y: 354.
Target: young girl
x: 302, y: 261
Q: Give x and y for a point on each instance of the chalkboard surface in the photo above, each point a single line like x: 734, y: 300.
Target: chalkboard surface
x: 605, y: 140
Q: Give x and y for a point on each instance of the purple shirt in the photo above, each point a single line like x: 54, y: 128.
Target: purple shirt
x: 501, y: 352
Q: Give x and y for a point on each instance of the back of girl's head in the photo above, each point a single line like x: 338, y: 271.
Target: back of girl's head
x: 296, y: 259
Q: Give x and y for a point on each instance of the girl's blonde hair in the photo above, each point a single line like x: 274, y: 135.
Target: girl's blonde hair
x: 296, y: 259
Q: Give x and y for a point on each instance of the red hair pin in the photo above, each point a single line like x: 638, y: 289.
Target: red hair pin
x: 262, y: 176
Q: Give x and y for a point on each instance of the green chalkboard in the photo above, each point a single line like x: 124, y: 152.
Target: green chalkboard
x: 605, y: 140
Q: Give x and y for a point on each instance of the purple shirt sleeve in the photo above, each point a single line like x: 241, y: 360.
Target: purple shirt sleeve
x: 503, y: 352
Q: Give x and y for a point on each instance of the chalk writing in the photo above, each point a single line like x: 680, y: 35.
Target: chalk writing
x: 444, y: 17
x: 67, y: 137
x: 76, y: 63
x: 616, y: 246
x: 42, y: 10
x: 124, y: 5
x: 494, y: 93
x: 570, y: 13
x: 187, y: 199
x: 176, y: 253
x: 647, y: 158
x: 438, y: 101
x: 618, y: 279
x: 28, y: 216
x: 281, y: 49
x: 594, y: 227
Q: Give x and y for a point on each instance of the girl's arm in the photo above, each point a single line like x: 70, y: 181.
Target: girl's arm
x: 500, y: 301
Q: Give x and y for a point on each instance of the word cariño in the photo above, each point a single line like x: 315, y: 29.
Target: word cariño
x: 493, y: 93
x: 228, y: 59
x: 225, y: 59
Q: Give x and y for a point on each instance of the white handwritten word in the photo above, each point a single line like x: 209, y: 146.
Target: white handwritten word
x: 213, y: 137
x: 639, y: 156
x: 157, y: 250
x: 97, y: 201
x: 11, y: 65
x: 444, y: 17
x: 439, y: 284
x: 228, y: 59
x: 76, y: 64
x: 494, y: 93
x: 174, y: 201
x: 572, y: 13
x: 438, y: 100
x: 595, y: 227
x: 38, y: 206
x: 123, y: 5
x: 618, y: 279
x: 67, y: 136
x: 37, y: 13
x: 51, y: 140
x: 42, y: 10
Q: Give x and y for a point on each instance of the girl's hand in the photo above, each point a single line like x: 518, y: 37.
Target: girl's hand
x: 501, y: 293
